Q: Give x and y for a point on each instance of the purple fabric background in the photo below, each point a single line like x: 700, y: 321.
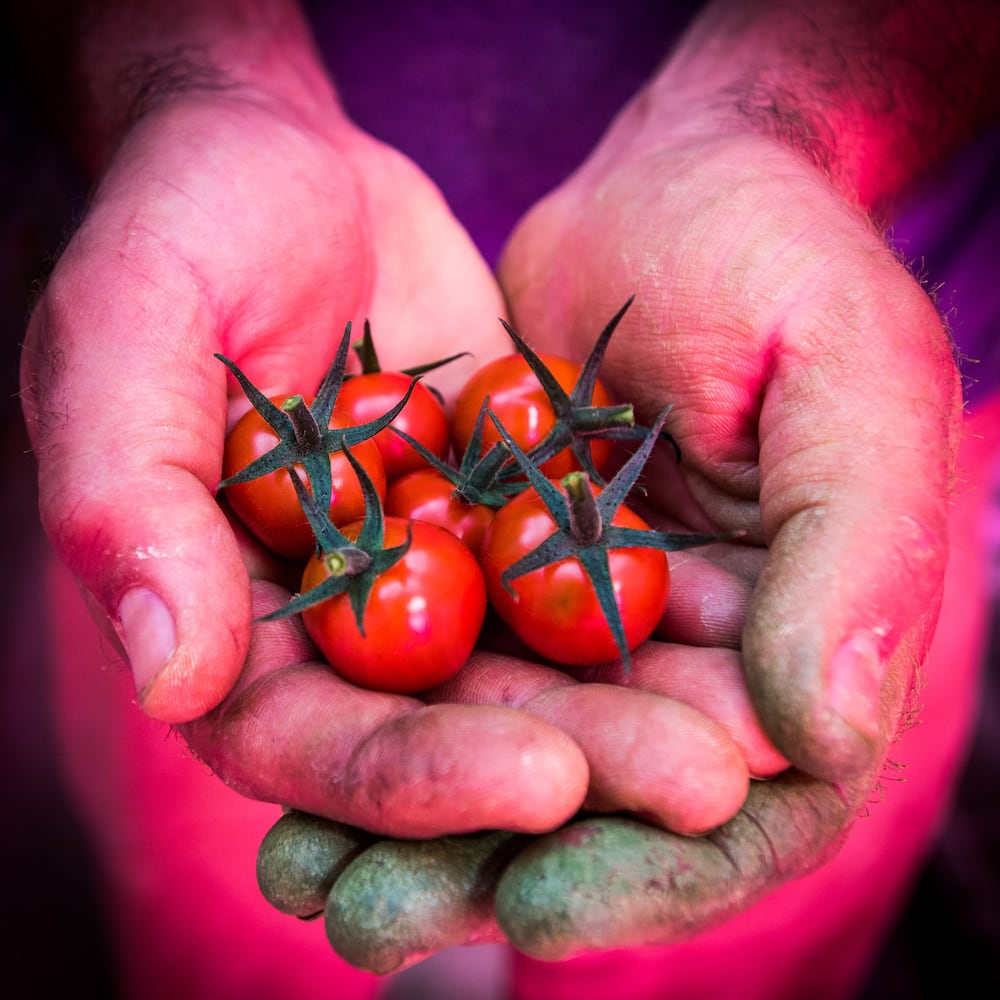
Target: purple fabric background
x: 514, y: 105
x: 497, y: 102
x: 950, y: 231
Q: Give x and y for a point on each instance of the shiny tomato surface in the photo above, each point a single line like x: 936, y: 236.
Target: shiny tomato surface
x: 367, y: 397
x: 422, y: 618
x: 269, y: 506
x: 426, y: 495
x: 554, y: 610
x: 519, y: 401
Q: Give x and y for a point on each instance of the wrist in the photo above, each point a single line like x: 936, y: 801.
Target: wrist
x: 870, y: 93
x: 122, y: 59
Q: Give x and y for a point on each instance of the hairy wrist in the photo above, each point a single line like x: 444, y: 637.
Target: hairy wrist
x: 870, y: 92
x: 111, y: 63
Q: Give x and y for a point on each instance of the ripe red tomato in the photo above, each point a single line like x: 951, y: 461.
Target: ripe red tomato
x: 269, y: 506
x: 555, y: 610
x: 426, y: 495
x: 519, y: 401
x: 422, y: 618
x: 366, y: 397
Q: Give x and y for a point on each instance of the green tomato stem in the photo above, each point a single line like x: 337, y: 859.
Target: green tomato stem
x: 585, y: 521
x: 347, y: 561
x: 601, y: 418
x: 308, y: 433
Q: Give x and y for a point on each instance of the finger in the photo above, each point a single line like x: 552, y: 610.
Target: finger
x: 706, y: 679
x: 708, y: 601
x: 710, y: 585
x: 293, y: 732
x: 615, y: 882
x: 300, y: 858
x: 127, y: 434
x: 401, y: 901
x: 648, y: 755
x: 856, y: 517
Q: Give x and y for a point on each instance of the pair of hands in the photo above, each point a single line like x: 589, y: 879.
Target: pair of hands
x: 816, y: 406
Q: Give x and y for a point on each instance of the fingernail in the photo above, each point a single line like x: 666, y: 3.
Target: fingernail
x: 854, y: 683
x: 146, y: 629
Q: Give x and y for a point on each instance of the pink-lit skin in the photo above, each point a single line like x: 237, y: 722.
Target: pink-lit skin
x: 422, y: 618
x: 769, y: 319
x: 816, y: 405
x: 687, y: 784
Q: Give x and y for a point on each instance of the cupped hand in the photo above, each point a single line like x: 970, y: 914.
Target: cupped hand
x: 231, y: 222
x: 228, y: 221
x: 817, y: 408
x: 407, y: 812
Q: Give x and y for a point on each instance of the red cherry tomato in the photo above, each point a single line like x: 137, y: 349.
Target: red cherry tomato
x: 269, y: 506
x: 422, y: 618
x: 555, y: 611
x: 519, y: 401
x: 366, y: 397
x: 426, y: 495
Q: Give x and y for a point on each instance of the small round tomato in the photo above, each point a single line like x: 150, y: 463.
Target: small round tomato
x: 426, y: 495
x: 422, y: 618
x: 554, y: 609
x: 269, y: 506
x: 367, y: 396
x: 522, y: 406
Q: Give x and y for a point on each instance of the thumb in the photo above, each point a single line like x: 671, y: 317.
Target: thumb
x: 858, y: 433
x: 127, y: 469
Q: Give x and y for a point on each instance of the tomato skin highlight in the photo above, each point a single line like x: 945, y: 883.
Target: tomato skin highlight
x: 555, y: 610
x: 519, y: 401
x: 426, y: 495
x: 269, y: 506
x: 366, y: 397
x: 423, y: 616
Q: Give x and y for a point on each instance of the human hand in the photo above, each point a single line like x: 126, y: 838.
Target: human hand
x: 721, y: 626
x: 233, y: 222
x: 817, y: 407
x: 792, y: 345
x: 237, y: 221
x: 770, y: 313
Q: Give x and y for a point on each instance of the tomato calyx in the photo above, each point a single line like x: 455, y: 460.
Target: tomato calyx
x: 584, y: 528
x: 577, y: 420
x: 304, y: 434
x: 365, y: 351
x: 370, y: 365
x: 353, y: 566
x: 477, y: 480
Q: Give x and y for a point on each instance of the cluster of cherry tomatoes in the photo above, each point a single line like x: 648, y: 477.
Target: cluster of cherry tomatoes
x: 410, y: 524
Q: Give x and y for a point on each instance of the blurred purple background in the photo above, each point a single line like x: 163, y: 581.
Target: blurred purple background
x: 54, y: 935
